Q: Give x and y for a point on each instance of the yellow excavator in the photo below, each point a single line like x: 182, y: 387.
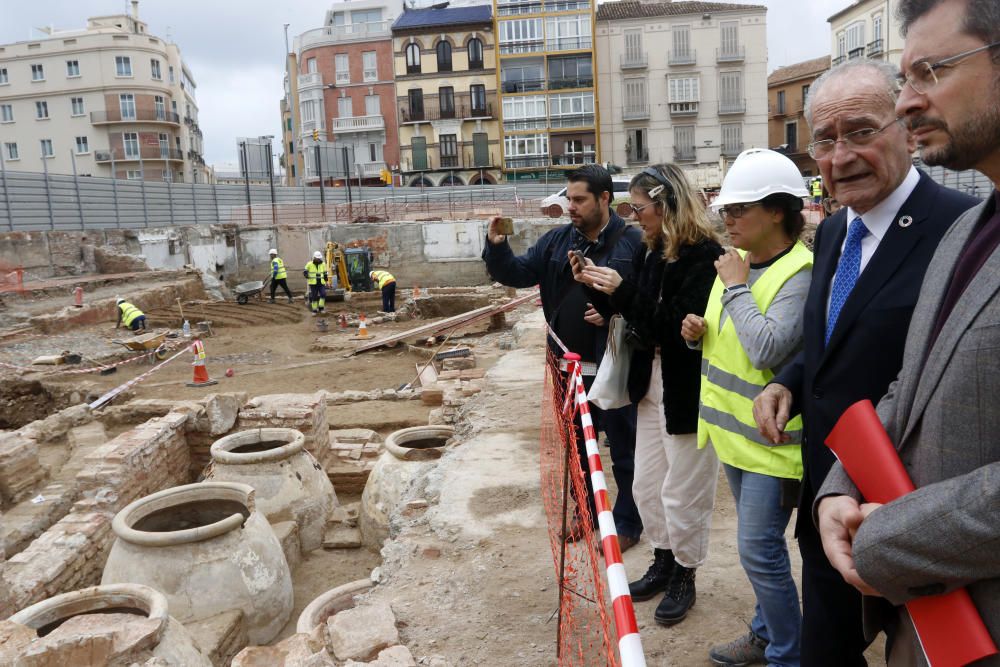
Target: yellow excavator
x: 349, y: 268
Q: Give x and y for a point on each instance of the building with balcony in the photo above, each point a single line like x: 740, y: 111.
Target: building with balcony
x: 548, y: 86
x: 866, y: 28
x: 108, y: 100
x: 346, y: 96
x: 446, y: 95
x: 681, y: 82
x: 787, y: 129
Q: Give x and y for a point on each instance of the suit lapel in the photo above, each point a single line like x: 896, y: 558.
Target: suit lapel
x: 892, y: 251
x: 985, y: 284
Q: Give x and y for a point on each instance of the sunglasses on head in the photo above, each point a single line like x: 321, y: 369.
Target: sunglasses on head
x: 664, y: 185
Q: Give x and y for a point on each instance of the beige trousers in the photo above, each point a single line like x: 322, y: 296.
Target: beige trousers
x: 674, y: 485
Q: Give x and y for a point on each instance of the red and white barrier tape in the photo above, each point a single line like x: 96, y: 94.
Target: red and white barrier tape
x: 629, y: 643
x: 139, y: 378
x: 94, y: 369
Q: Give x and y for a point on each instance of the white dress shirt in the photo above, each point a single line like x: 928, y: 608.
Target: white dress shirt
x: 877, y: 220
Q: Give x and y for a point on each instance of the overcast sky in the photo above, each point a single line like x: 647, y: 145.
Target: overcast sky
x: 234, y: 49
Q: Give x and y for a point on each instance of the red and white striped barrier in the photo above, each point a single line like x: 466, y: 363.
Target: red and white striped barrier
x: 629, y: 643
x: 166, y: 347
x: 137, y: 379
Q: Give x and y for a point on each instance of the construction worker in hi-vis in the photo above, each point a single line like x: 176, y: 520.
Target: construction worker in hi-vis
x: 315, y: 274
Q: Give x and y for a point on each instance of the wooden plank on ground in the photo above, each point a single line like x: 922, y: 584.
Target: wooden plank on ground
x: 446, y: 324
x: 426, y: 374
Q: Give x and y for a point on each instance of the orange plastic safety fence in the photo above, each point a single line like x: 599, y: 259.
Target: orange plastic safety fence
x: 585, y: 632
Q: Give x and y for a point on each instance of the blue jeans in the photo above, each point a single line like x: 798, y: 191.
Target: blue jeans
x: 760, y: 535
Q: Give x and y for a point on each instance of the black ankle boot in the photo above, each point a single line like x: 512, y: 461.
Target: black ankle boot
x: 656, y: 578
x: 679, y: 597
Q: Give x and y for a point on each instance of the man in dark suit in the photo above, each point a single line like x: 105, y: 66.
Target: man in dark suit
x: 943, y: 411
x: 870, y: 259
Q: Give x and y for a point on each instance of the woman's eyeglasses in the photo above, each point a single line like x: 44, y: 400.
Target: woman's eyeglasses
x: 636, y: 209
x: 736, y: 210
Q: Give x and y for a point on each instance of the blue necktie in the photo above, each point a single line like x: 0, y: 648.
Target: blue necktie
x: 848, y: 270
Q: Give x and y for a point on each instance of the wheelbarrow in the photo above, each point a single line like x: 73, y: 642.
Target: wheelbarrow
x: 246, y: 290
x: 146, y: 342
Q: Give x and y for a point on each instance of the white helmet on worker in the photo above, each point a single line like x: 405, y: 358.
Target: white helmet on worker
x: 757, y: 173
x: 317, y: 255
x: 119, y: 300
x: 272, y: 251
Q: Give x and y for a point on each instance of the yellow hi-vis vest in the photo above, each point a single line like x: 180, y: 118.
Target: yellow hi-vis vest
x: 315, y: 274
x: 817, y: 189
x: 129, y: 313
x: 198, y: 348
x: 278, y: 269
x: 383, y: 278
x: 729, y: 383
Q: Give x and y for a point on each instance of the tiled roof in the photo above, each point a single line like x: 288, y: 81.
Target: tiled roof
x: 631, y: 9
x: 431, y: 18
x: 799, y: 70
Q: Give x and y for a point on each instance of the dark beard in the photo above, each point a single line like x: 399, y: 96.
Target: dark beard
x: 968, y: 145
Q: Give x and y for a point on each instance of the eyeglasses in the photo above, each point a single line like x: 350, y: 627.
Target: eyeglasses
x: 923, y: 75
x: 856, y: 139
x: 736, y: 210
x: 636, y: 209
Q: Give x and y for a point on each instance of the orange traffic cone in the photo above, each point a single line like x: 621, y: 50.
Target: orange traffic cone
x: 362, y: 327
x: 201, y: 378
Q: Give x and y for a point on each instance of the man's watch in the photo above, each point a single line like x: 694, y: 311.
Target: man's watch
x: 733, y: 288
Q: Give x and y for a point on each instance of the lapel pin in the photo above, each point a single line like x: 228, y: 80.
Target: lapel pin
x: 905, y: 221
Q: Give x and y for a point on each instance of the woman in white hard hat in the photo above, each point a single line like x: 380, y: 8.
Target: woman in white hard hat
x: 752, y: 328
x: 674, y: 483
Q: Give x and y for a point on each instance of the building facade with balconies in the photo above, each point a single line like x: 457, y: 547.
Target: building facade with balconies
x: 346, y: 95
x: 446, y: 95
x: 547, y: 78
x: 109, y: 100
x: 681, y: 82
x: 788, y: 131
x: 866, y: 29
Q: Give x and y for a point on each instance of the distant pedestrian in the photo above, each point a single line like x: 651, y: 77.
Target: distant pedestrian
x: 130, y: 316
x: 316, y: 279
x: 386, y: 282
x: 279, y: 276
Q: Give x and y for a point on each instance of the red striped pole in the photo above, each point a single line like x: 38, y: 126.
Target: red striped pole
x: 629, y: 643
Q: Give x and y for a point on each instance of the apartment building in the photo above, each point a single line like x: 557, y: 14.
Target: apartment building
x: 291, y: 155
x: 346, y: 96
x: 548, y: 86
x: 108, y: 100
x: 788, y: 131
x: 682, y: 82
x: 446, y: 93
x: 866, y: 28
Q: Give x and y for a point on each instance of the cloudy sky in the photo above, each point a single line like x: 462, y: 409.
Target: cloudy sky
x: 235, y: 49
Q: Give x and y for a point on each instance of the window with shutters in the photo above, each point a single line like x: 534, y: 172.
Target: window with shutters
x: 373, y: 105
x: 780, y: 104
x: 416, y: 103
x: 419, y: 150
x: 72, y: 68
x: 342, y: 66
x: 444, y: 56
x: 634, y: 56
x: 683, y: 94
x: 448, y: 147
x: 729, y: 40
x: 38, y: 72
x: 412, y: 58
x: 635, y: 104
x: 446, y: 101
x: 41, y: 110
x: 345, y: 109
x: 731, y: 92
x: 637, y: 145
x: 732, y: 139
x: 856, y: 39
x: 480, y: 149
x: 475, y: 52
x: 684, y: 142
x: 369, y: 65
x: 477, y: 99
x: 791, y: 136
x: 680, y: 45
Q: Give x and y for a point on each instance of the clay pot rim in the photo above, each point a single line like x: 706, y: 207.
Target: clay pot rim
x: 395, y: 443
x: 332, y: 598
x: 221, y: 453
x: 92, y: 600
x: 207, y: 490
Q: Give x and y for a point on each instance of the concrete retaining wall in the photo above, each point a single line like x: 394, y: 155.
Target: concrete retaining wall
x: 418, y: 253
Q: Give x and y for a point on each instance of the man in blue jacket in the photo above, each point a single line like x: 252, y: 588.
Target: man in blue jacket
x: 602, y: 236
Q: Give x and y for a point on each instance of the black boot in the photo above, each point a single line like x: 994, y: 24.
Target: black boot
x: 656, y: 577
x: 679, y: 597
